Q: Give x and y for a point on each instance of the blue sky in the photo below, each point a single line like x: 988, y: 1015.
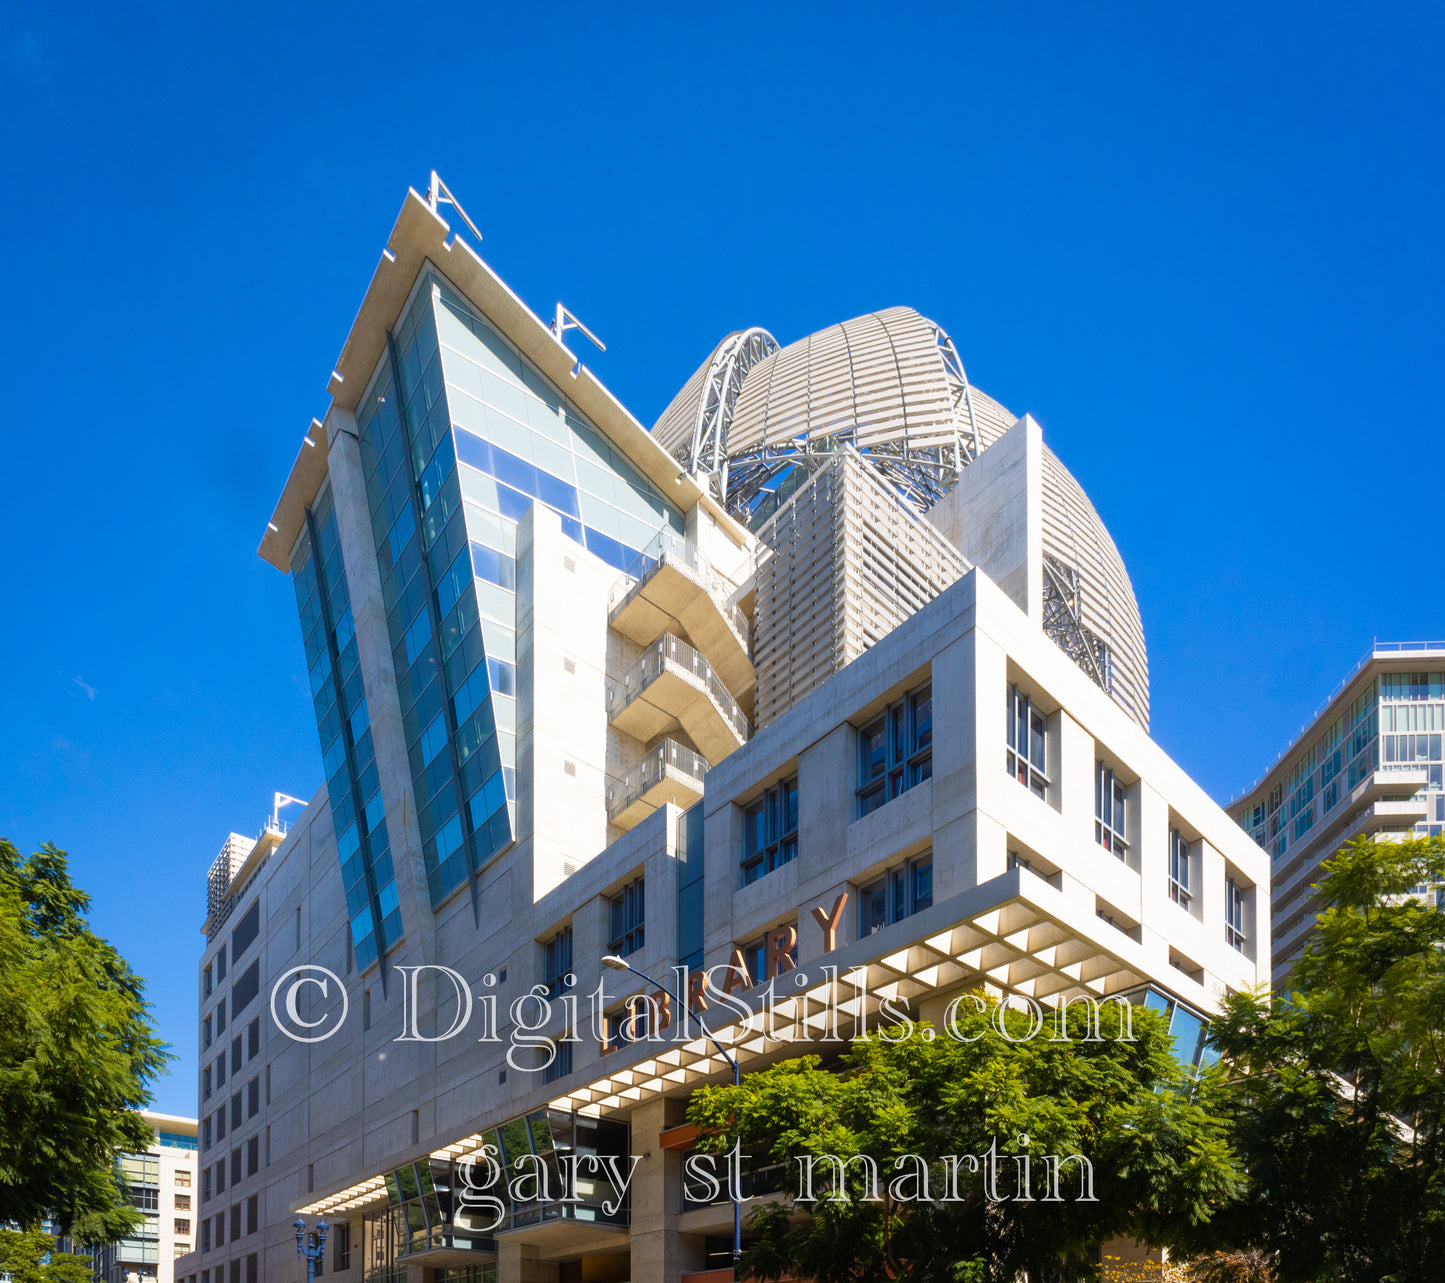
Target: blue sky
x: 1201, y: 246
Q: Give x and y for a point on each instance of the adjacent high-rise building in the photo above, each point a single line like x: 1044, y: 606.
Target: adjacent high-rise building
x: 162, y: 1184
x: 1369, y: 762
x: 833, y: 680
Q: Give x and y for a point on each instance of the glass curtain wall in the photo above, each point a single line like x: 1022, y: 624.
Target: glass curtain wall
x: 452, y: 462
x: 1396, y: 724
x: 344, y: 726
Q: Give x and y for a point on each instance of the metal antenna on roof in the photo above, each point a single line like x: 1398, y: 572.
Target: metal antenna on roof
x: 440, y: 194
x: 280, y: 800
x: 567, y: 320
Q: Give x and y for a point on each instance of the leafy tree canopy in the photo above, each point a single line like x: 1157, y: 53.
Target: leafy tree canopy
x: 77, y: 1051
x: 1155, y: 1139
x: 29, y: 1256
x: 1339, y: 1082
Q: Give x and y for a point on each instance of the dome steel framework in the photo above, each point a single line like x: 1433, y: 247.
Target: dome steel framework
x: 890, y: 383
x: 759, y: 421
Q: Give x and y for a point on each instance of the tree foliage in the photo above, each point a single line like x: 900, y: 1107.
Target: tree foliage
x: 1157, y: 1146
x: 30, y: 1256
x: 77, y: 1051
x: 1339, y: 1087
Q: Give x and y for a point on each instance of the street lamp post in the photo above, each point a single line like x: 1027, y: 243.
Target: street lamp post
x: 311, y: 1245
x: 612, y: 961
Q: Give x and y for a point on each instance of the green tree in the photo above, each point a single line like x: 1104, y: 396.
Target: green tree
x: 1339, y: 1088
x: 29, y: 1256
x: 77, y: 1052
x: 1159, y: 1159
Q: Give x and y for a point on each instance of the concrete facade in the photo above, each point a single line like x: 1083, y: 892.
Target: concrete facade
x: 947, y: 858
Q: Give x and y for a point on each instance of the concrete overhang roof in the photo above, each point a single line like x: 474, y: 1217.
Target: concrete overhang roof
x: 419, y: 236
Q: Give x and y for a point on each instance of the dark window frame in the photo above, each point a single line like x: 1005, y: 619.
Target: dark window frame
x: 627, y: 918
x: 1027, y: 756
x: 557, y: 972
x: 897, y: 892
x: 1180, y: 870
x: 895, y: 749
x: 1111, y: 810
x: 770, y: 830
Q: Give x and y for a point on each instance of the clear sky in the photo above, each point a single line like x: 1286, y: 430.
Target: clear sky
x: 1201, y: 244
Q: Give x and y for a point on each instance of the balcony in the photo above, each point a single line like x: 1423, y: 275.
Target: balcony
x: 673, y: 589
x: 1293, y: 892
x: 1380, y: 800
x: 668, y: 772
x: 673, y: 686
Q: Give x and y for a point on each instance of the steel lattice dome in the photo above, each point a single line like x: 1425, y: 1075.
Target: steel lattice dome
x: 891, y: 385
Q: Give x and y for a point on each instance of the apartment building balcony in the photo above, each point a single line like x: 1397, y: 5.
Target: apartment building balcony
x: 673, y: 686
x: 1379, y: 815
x: 675, y: 590
x: 1292, y: 896
x: 668, y: 772
x: 1391, y: 781
x: 1375, y: 804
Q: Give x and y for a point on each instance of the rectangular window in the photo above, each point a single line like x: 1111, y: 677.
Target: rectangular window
x: 206, y: 1083
x: 247, y: 985
x: 221, y: 1177
x: 900, y: 893
x: 1028, y: 742
x: 221, y: 964
x: 755, y: 957
x: 236, y: 1166
x: 246, y: 930
x: 183, y: 1203
x: 1111, y: 797
x: 341, y: 1245
x: 253, y: 1038
x: 220, y: 1220
x: 629, y: 1023
x: 235, y: 1055
x: 206, y: 1132
x: 561, y: 1064
x: 206, y: 981
x: 253, y: 1097
x: 183, y: 1178
x: 1180, y: 882
x: 626, y: 919
x: 557, y: 963
x: 770, y: 831
x: 235, y: 1221
x: 1234, y: 914
x: 252, y: 1207
x: 206, y: 1186
x: 205, y: 1033
x: 895, y: 751
x: 183, y: 1225
x: 221, y: 1017
x: 221, y: 1070
x: 206, y: 1235
x: 235, y: 1111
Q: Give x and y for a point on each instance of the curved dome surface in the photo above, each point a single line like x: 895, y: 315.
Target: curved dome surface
x: 1103, y: 596
x: 890, y: 383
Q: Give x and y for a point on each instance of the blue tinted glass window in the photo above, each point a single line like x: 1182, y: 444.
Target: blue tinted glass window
x: 1187, y: 1029
x: 557, y: 494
